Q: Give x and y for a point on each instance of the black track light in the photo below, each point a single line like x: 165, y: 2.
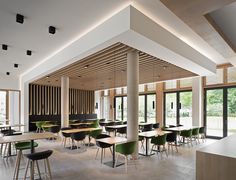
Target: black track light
x: 20, y: 18
x: 8, y: 73
x: 29, y: 53
x: 4, y: 47
x: 16, y: 65
x: 52, y: 30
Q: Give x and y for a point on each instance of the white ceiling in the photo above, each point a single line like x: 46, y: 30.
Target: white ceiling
x: 225, y: 18
x: 72, y: 18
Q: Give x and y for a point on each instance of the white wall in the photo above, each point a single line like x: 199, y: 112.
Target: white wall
x: 9, y: 82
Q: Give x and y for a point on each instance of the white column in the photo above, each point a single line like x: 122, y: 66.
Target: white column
x: 132, y: 95
x: 197, y: 102
x: 64, y: 101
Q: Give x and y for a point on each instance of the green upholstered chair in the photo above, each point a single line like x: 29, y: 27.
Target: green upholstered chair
x: 158, y: 142
x: 195, y: 134
x: 186, y: 135
x: 94, y: 134
x: 95, y: 124
x: 125, y: 149
x: 202, y: 133
x: 39, y: 125
x: 21, y: 146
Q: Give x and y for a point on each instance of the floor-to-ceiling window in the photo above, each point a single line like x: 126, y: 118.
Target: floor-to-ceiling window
x: 3, y: 106
x: 147, y: 108
x: 178, y: 108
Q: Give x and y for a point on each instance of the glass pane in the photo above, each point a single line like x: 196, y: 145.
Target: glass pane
x: 118, y: 90
x: 231, y: 77
x: 14, y: 109
x: 151, y: 87
x: 124, y: 108
x: 214, y: 112
x: 151, y: 108
x: 231, y: 111
x: 170, y: 109
x: 119, y: 108
x: 3, y: 105
x: 185, y: 83
x: 141, y: 88
x: 170, y: 84
x: 106, y: 92
x: 215, y: 79
x: 141, y: 108
x: 105, y: 107
x: 185, y: 110
x: 124, y: 90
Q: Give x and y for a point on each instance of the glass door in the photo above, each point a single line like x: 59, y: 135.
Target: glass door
x: 125, y: 108
x: 151, y: 108
x: 118, y: 105
x: 3, y: 107
x: 141, y: 109
x: 214, y: 112
x: 185, y: 108
x: 231, y: 111
x: 170, y: 109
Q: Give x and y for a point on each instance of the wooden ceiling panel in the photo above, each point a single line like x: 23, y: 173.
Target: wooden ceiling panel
x: 107, y: 69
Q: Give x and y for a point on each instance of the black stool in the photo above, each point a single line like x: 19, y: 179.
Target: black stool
x: 34, y: 157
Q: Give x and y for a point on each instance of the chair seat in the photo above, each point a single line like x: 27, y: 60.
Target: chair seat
x: 39, y: 155
x: 24, y: 145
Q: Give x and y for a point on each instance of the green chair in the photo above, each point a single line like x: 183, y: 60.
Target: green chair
x: 46, y: 129
x: 94, y: 134
x: 125, y: 149
x: 186, y: 135
x: 21, y: 146
x: 202, y: 133
x: 39, y: 125
x: 95, y: 124
x: 195, y: 134
x: 159, y: 141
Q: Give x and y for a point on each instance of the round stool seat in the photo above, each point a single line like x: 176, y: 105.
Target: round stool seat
x: 39, y: 155
x: 25, y: 145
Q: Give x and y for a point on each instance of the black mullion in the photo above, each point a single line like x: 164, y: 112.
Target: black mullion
x: 122, y: 108
x: 177, y: 108
x: 164, y: 113
x: 145, y: 108
x: 225, y: 111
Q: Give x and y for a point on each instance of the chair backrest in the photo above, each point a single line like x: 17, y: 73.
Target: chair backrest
x: 186, y: 133
x: 202, y: 130
x: 195, y: 131
x: 124, y: 122
x: 101, y: 144
x: 178, y: 125
x: 95, y: 133
x: 95, y: 124
x: 159, y: 140
x: 55, y: 129
x: 147, y: 127
x: 126, y: 148
x: 118, y: 122
x: 170, y: 126
x: 39, y: 155
x: 122, y: 130
x: 156, y: 125
x: 79, y: 136
x: 171, y: 137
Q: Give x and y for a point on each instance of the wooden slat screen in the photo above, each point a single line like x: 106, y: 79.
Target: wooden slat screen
x: 46, y: 100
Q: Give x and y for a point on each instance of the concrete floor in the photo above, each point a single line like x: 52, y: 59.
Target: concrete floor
x: 81, y: 164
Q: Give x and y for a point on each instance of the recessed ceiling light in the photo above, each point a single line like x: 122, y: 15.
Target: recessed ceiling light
x: 164, y: 67
x: 108, y: 63
x: 56, y: 79
x: 79, y: 76
x: 4, y: 47
x: 29, y: 52
x: 86, y: 66
x: 122, y: 70
x: 52, y: 30
x: 16, y: 65
x: 49, y: 81
x: 8, y: 73
x: 19, y: 18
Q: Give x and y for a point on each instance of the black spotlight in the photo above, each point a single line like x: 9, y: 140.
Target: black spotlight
x: 4, y: 47
x: 20, y: 18
x: 8, y: 73
x: 29, y: 53
x: 16, y: 65
x: 52, y: 30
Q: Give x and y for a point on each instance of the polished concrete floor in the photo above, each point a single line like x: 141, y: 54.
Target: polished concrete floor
x: 81, y: 164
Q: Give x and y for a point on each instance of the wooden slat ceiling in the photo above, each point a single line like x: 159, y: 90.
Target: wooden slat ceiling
x: 194, y: 14
x: 107, y: 69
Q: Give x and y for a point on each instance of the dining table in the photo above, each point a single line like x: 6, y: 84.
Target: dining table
x: 113, y: 141
x: 115, y: 127
x: 148, y: 135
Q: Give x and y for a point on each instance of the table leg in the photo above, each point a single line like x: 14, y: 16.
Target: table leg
x: 31, y: 162
x: 146, y: 141
x: 114, y: 156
